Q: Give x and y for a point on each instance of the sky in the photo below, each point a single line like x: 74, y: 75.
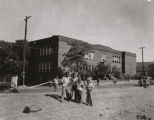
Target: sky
x: 124, y: 25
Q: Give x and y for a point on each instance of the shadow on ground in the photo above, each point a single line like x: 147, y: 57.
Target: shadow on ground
x: 54, y: 96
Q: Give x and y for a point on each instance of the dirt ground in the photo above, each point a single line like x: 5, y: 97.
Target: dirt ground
x: 123, y: 103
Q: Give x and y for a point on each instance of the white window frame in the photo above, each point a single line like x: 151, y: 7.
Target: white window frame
x: 89, y: 56
x: 104, y: 57
x: 46, y: 50
x: 49, y: 66
x: 40, y: 52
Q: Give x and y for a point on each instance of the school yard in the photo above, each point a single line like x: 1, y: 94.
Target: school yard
x: 113, y: 103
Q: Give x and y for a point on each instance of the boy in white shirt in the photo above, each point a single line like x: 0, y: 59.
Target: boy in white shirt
x: 65, y: 82
x: 89, y: 88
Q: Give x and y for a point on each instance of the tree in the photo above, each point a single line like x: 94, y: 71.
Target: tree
x: 60, y: 72
x: 116, y: 71
x: 7, y: 57
x: 74, y: 58
x: 101, y: 70
x: 151, y: 70
x: 11, y: 60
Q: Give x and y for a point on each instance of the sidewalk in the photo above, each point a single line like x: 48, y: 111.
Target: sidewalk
x: 110, y: 82
x: 104, y: 84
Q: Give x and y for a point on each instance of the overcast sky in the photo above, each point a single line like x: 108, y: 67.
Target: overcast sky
x: 120, y: 24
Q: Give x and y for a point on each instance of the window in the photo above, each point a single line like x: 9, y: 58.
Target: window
x: 43, y: 51
x: 104, y: 58
x: 49, y: 50
x: 49, y: 66
x: 116, y: 59
x: 89, y: 56
x: 40, y: 67
x: 40, y: 52
x: 46, y: 67
x: 46, y: 50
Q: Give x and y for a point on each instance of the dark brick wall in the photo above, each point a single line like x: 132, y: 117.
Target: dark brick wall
x: 129, y: 63
x: 35, y: 75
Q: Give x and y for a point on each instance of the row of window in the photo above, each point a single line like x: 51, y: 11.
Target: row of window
x: 48, y: 66
x: 45, y: 66
x: 90, y: 56
x: 90, y: 67
x: 116, y: 59
x: 46, y: 51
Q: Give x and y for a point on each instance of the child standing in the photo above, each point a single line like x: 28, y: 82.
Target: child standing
x: 74, y: 86
x: 79, y: 90
x: 65, y: 82
x: 89, y: 88
x: 55, y: 83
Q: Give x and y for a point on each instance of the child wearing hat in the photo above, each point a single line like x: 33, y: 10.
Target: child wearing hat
x: 89, y: 88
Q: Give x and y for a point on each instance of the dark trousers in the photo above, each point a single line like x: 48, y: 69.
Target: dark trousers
x: 76, y: 95
x: 79, y: 96
x: 74, y: 92
x: 88, y: 99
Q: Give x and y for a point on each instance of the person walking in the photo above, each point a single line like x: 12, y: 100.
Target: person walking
x: 65, y: 82
x: 89, y: 88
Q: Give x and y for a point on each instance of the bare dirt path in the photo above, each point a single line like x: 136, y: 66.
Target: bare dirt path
x: 109, y: 104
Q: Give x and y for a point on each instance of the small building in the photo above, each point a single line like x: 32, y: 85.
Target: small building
x: 146, y: 67
x: 47, y: 55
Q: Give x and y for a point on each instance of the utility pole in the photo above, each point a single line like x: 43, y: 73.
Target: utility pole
x: 24, y: 51
x: 143, y: 72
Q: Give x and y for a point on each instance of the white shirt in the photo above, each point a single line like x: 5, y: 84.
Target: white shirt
x: 65, y: 81
x: 80, y: 85
x: 55, y: 80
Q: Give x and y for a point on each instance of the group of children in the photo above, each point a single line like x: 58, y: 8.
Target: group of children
x: 72, y: 87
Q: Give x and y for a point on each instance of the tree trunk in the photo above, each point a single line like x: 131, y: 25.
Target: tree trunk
x: 77, y: 65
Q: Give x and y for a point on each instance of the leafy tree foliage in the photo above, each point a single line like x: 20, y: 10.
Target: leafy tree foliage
x: 102, y: 70
x: 11, y: 58
x: 74, y: 57
x: 116, y: 72
x: 151, y: 70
